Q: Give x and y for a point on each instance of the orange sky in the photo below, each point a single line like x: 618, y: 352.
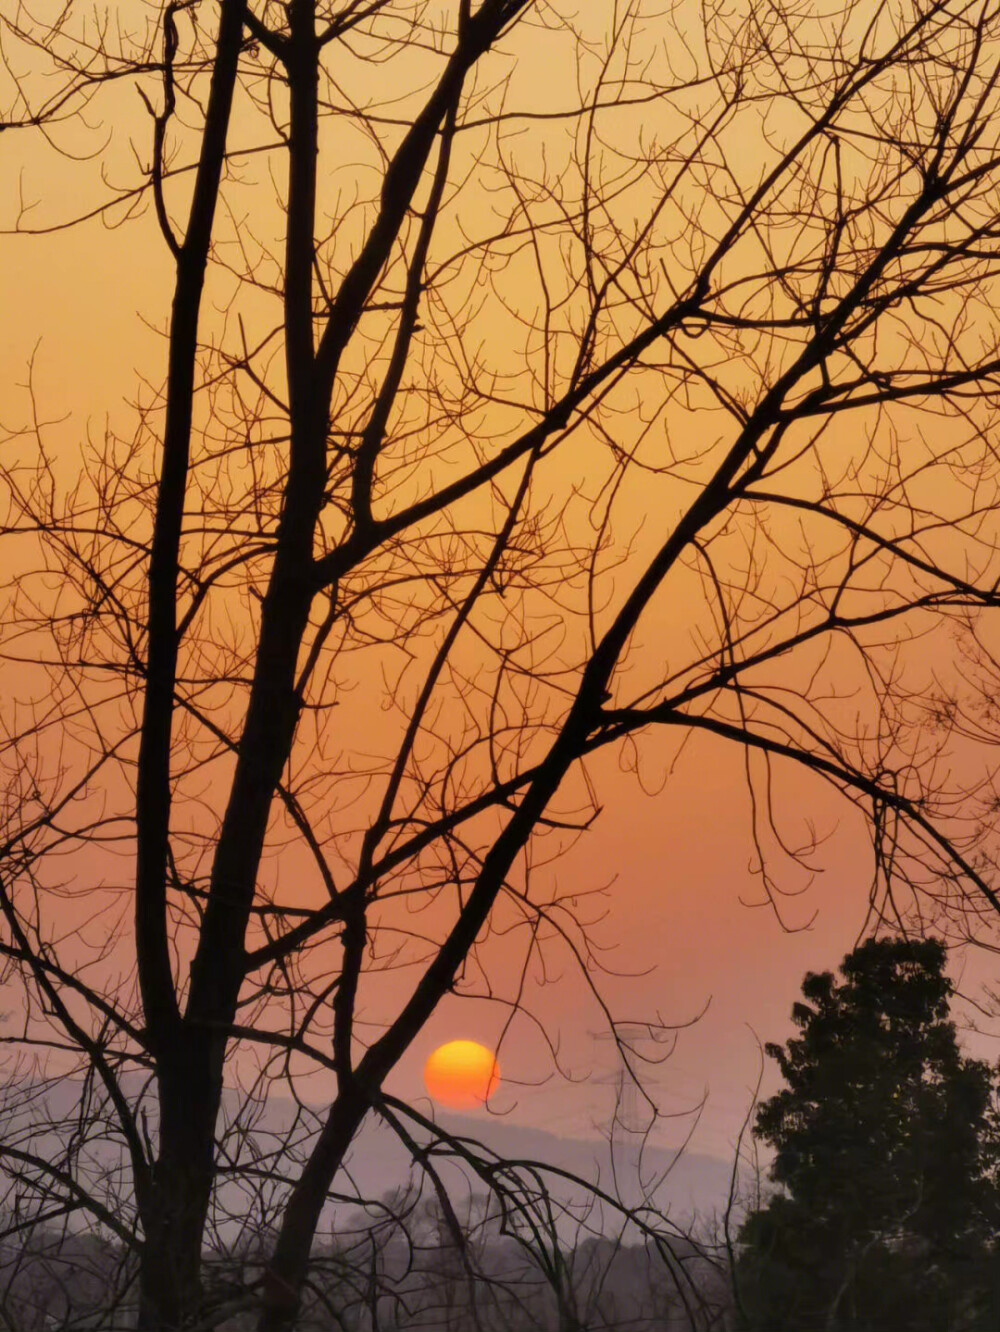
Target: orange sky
x: 676, y: 863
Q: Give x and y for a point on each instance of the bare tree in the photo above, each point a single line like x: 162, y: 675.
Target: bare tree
x: 509, y: 416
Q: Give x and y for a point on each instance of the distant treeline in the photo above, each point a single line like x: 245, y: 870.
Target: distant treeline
x: 385, y: 1278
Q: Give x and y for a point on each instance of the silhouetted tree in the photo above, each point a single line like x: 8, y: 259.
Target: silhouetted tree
x: 500, y: 419
x: 885, y: 1144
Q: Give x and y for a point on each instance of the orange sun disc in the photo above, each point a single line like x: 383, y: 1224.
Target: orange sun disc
x: 462, y: 1074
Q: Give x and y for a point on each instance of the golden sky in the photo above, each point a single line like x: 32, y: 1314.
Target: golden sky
x: 682, y: 916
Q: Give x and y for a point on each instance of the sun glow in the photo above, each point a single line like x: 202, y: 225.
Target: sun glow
x: 462, y: 1075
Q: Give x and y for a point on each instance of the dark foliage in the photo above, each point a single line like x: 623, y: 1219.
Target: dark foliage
x: 885, y: 1141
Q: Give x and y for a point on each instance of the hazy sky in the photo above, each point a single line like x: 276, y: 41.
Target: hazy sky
x: 675, y: 863
x: 676, y: 922
x: 683, y: 920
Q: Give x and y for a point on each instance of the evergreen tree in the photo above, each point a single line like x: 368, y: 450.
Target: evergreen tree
x: 885, y: 1141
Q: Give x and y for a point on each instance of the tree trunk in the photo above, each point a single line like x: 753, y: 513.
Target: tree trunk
x: 286, y: 1272
x: 170, y: 1293
x: 174, y: 1214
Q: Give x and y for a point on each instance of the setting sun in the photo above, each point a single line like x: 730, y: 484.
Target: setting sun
x: 462, y: 1074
